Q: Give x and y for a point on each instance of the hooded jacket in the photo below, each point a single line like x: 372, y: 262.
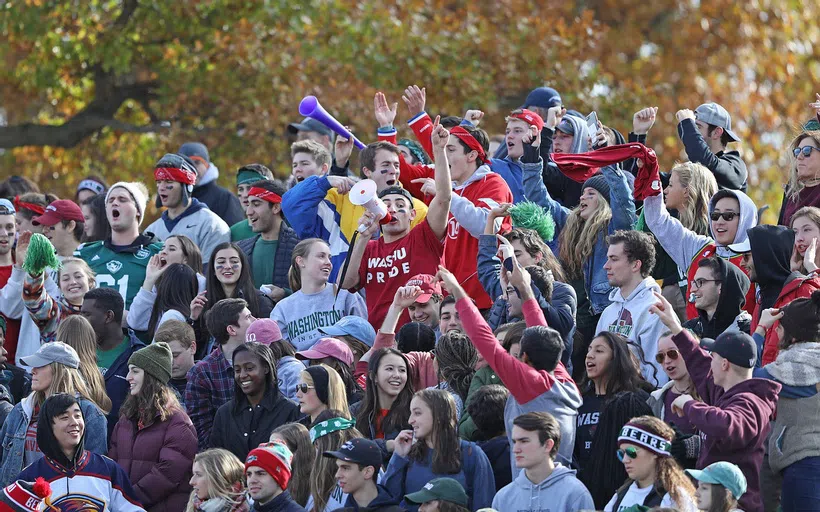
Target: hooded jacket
x: 383, y: 502
x: 797, y: 286
x: 564, y: 189
x: 729, y: 315
x: 13, y: 435
x: 684, y: 245
x: 559, y: 492
x: 771, y: 248
x: 734, y: 424
x: 88, y: 482
x: 219, y: 199
x: 630, y: 317
x: 198, y: 223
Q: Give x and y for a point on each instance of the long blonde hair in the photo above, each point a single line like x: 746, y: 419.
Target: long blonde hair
x: 336, y: 392
x: 701, y: 186
x: 577, y: 239
x: 301, y: 250
x: 64, y: 380
x: 92, y: 277
x: 77, y: 332
x: 225, y: 474
x: 793, y: 187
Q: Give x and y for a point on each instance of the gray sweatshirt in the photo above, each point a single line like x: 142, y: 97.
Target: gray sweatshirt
x: 300, y: 316
x: 560, y: 492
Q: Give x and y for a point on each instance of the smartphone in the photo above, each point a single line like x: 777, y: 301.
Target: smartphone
x: 508, y: 264
x: 592, y: 124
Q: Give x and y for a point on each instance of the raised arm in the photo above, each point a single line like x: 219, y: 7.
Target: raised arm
x: 680, y: 244
x: 727, y: 175
x: 439, y: 209
x: 620, y: 198
x: 370, y: 226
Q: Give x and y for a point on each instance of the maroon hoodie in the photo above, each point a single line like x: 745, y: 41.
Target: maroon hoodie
x: 733, y: 424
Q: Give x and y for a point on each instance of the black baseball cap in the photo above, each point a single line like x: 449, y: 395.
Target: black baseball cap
x: 397, y: 190
x: 736, y: 347
x: 358, y: 451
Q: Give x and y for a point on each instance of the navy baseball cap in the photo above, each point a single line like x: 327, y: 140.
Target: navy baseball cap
x: 736, y: 347
x: 358, y: 451
x: 544, y: 97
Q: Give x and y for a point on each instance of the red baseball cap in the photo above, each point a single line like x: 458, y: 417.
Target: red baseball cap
x: 428, y: 285
x: 529, y: 117
x: 61, y: 209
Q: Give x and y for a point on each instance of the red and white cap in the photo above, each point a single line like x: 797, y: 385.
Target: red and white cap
x: 59, y: 210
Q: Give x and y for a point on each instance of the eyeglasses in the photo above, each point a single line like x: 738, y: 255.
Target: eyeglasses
x: 304, y: 388
x: 806, y: 150
x: 699, y: 282
x: 673, y: 354
x: 727, y: 216
x: 629, y: 451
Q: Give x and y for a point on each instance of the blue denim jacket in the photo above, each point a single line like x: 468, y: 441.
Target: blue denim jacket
x: 623, y: 217
x: 13, y: 435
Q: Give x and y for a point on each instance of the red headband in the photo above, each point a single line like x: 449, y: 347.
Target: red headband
x: 36, y: 208
x: 175, y: 174
x: 467, y: 138
x: 265, y: 195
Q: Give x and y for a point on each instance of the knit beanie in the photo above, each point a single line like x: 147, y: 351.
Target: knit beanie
x: 275, y: 458
x: 801, y: 318
x: 138, y: 193
x: 25, y: 496
x: 263, y: 330
x: 599, y: 183
x: 321, y: 382
x: 156, y: 360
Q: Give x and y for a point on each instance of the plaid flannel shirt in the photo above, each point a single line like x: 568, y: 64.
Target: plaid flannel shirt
x: 210, y: 385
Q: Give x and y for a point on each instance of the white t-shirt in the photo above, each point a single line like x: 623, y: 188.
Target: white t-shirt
x: 636, y: 496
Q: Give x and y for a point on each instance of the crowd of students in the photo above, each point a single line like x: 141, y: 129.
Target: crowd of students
x: 556, y: 326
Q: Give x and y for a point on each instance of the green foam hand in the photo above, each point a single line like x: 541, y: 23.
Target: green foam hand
x: 40, y: 255
x: 531, y: 216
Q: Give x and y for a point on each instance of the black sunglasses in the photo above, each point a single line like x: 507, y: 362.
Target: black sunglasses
x: 304, y: 388
x: 727, y: 216
x: 806, y: 150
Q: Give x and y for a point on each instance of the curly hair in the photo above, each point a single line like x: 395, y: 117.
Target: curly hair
x: 456, y: 357
x: 669, y: 477
x: 577, y: 239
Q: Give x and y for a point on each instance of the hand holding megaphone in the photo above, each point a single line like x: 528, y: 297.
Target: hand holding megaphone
x: 364, y: 194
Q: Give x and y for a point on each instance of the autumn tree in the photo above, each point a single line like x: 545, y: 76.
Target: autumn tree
x: 107, y: 86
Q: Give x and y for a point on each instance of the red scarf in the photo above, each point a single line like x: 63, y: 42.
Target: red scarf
x: 581, y: 166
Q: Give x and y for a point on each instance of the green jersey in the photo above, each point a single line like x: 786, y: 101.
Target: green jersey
x: 241, y: 230
x: 124, y: 268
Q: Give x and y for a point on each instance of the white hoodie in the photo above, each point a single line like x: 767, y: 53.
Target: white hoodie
x: 631, y: 318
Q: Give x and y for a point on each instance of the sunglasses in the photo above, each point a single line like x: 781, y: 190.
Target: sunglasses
x: 629, y: 451
x: 727, y: 216
x: 806, y: 150
x: 660, y: 357
x: 304, y: 388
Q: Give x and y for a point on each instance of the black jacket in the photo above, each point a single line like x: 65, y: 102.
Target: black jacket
x: 282, y: 503
x: 384, y: 502
x: 239, y: 428
x: 727, y: 166
x: 287, y: 241
x: 220, y: 201
x: 771, y: 251
x: 497, y: 451
x: 20, y: 384
x: 733, y: 289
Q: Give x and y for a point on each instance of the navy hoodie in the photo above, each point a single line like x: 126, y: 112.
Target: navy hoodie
x: 383, y: 502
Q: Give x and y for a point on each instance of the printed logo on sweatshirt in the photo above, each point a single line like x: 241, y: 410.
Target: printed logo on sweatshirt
x: 142, y: 253
x: 624, y: 324
x: 312, y: 322
x: 393, y: 264
x: 113, y: 266
x: 79, y: 503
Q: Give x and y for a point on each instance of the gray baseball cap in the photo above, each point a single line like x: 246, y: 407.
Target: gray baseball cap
x: 309, y: 124
x: 53, y: 352
x: 714, y: 114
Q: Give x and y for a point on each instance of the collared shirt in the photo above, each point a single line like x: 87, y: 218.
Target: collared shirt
x: 210, y: 385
